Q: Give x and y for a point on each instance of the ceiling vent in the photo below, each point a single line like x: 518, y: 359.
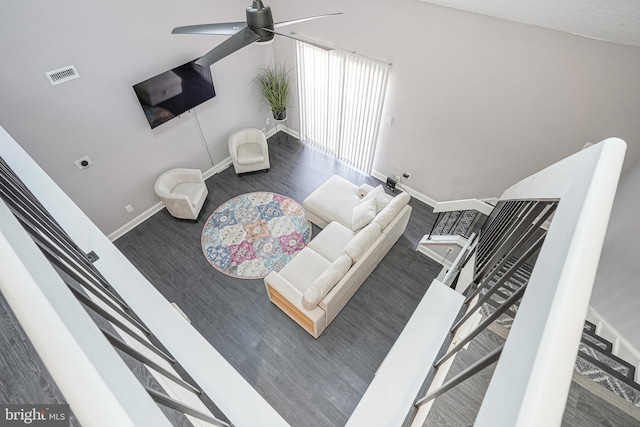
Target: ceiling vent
x: 62, y: 75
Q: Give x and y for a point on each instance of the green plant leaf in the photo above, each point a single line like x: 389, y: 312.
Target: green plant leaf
x: 274, y: 83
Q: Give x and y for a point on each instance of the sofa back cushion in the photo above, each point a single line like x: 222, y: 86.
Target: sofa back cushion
x: 362, y: 241
x: 325, y: 282
x: 392, y: 210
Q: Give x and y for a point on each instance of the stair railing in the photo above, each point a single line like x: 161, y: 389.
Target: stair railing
x: 459, y: 217
x: 535, y: 365
x: 523, y: 223
x: 118, y: 323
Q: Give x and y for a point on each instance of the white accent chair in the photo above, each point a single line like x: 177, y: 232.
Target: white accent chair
x: 249, y: 150
x: 182, y: 191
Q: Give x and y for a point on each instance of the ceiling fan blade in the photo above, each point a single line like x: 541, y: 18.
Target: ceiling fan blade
x: 295, y: 21
x: 239, y: 40
x: 225, y: 29
x: 295, y: 37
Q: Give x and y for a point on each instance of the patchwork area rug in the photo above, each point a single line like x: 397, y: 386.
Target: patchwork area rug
x: 255, y: 233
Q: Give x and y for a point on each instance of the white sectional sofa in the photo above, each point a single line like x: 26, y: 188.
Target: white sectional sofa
x: 361, y: 224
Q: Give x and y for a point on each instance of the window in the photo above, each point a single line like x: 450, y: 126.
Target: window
x: 341, y: 96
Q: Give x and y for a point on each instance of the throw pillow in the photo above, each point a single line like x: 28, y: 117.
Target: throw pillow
x: 381, y: 198
x: 323, y: 284
x: 363, y: 213
x: 362, y: 241
x: 376, y: 192
x: 392, y: 210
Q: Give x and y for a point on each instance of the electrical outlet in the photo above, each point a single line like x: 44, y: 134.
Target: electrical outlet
x: 263, y: 130
x: 268, y: 121
x: 129, y: 208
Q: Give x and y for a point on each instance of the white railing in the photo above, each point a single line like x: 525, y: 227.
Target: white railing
x: 463, y: 205
x: 531, y: 382
x: 94, y: 380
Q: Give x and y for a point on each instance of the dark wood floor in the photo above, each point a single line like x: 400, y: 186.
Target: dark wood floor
x: 309, y: 382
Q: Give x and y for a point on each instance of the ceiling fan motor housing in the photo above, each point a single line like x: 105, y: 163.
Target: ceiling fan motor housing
x: 259, y: 17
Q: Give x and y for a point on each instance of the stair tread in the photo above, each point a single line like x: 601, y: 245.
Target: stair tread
x: 614, y: 362
x: 597, y: 340
x: 592, y: 326
x: 631, y: 393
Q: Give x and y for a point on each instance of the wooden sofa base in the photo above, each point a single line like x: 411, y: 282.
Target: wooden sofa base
x: 291, y: 311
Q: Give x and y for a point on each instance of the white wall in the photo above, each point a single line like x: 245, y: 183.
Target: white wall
x: 115, y: 45
x: 616, y: 293
x: 478, y: 102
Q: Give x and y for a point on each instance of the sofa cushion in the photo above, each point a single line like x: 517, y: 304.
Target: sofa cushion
x: 334, y: 200
x: 250, y: 153
x: 392, y: 210
x: 325, y: 282
x: 304, y: 268
x: 382, y: 199
x: 363, y: 214
x: 357, y: 247
x: 331, y: 241
x: 193, y: 190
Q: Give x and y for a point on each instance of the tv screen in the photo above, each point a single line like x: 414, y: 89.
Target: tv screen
x: 173, y: 92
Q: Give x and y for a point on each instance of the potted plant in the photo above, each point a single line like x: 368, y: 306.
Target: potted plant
x: 274, y: 83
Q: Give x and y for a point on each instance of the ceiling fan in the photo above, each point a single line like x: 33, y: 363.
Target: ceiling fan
x: 259, y: 27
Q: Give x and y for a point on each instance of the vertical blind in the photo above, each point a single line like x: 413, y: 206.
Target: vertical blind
x: 341, y: 96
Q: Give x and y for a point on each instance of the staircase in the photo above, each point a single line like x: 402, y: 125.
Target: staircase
x: 596, y: 360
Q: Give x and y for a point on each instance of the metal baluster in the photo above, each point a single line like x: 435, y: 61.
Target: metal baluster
x: 511, y: 235
x: 513, y: 269
x: 38, y: 225
x: 489, y: 237
x: 493, y: 316
x: 119, y: 344
x: 533, y: 228
x: 64, y: 254
x: 452, y: 229
x: 462, y: 376
x: 501, y: 233
x: 115, y: 321
x: 169, y: 402
x: 60, y: 263
x: 433, y: 227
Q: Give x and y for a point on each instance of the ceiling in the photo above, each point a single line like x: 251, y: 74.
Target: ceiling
x: 617, y: 21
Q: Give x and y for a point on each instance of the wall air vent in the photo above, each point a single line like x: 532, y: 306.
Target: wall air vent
x: 62, y: 75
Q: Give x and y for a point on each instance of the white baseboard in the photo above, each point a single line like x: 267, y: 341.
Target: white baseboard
x: 159, y: 206
x: 270, y: 132
x: 217, y: 168
x: 412, y: 192
x: 135, y: 222
x: 288, y: 130
x: 621, y: 346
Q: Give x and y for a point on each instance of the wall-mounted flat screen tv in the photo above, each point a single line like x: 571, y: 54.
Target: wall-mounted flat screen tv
x: 173, y: 92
